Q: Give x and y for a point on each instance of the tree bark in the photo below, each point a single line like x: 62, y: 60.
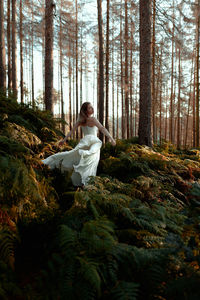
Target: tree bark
x: 76, y: 64
x: 14, y: 50
x: 179, y: 100
x: 70, y: 93
x: 122, y: 78
x: 101, y: 66
x: 61, y: 70
x: 49, y: 55
x: 9, y: 48
x: 21, y: 55
x: 189, y: 104
x: 131, y: 81
x: 197, y: 75
x: 2, y: 49
x: 144, y: 130
x: 171, y: 127
x: 126, y: 73
x: 107, y: 68
x: 153, y: 74
x: 32, y: 62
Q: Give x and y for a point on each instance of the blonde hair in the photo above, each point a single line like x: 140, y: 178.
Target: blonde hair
x: 82, y: 118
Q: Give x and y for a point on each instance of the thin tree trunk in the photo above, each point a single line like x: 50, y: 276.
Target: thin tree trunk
x: 131, y: 80
x: 32, y: 62
x: 113, y: 91
x: 117, y: 134
x: 189, y: 104
x: 70, y: 92
x: 122, y: 78
x: 161, y: 83
x: 166, y: 118
x: 153, y: 73
x: 81, y: 69
x: 101, y: 66
x: 171, y: 129
x: 197, y: 76
x: 194, y: 111
x: 61, y: 70
x: 9, y: 48
x: 2, y: 50
x: 144, y: 131
x: 14, y: 50
x: 179, y: 100
x: 49, y: 55
x: 76, y: 65
x: 74, y: 89
x: 126, y: 73
x: 21, y: 55
x: 107, y: 68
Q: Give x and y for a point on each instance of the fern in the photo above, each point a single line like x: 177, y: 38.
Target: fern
x: 125, y: 291
x: 7, y: 240
x: 89, y: 271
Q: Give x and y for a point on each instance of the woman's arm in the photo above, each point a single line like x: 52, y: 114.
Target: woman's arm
x: 69, y: 133
x: 104, y: 130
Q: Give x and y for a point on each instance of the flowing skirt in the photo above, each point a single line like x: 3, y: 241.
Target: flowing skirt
x: 83, y: 159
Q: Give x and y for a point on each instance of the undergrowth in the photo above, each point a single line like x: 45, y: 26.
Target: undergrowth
x: 131, y: 233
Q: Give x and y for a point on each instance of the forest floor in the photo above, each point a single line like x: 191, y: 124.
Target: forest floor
x: 132, y: 233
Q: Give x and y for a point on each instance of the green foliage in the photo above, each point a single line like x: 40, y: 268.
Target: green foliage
x: 131, y: 233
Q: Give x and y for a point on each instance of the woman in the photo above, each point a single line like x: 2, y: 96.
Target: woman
x: 84, y: 158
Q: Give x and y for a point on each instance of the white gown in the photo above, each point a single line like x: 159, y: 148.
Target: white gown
x: 83, y: 159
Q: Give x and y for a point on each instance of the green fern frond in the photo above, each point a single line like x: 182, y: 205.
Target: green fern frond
x: 7, y: 240
x: 89, y: 272
x: 98, y: 235
x: 67, y: 239
x: 125, y: 291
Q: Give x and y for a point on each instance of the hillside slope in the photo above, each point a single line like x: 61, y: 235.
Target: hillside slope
x: 132, y: 233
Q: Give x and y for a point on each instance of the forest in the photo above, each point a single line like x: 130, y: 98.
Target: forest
x: 133, y: 232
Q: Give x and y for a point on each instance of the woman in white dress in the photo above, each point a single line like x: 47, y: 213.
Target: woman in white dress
x: 84, y: 158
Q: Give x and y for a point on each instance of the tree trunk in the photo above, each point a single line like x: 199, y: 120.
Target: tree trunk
x: 117, y: 133
x: 76, y: 64
x: 126, y: 73
x: 131, y: 81
x: 161, y: 83
x: 197, y: 76
x: 9, y: 48
x: 101, y: 66
x: 113, y: 89
x: 21, y: 55
x: 70, y: 92
x: 61, y: 69
x: 144, y: 131
x: 193, y: 113
x: 14, y: 50
x: 107, y: 68
x: 2, y: 50
x: 171, y: 127
x: 49, y: 55
x: 81, y: 69
x: 179, y: 100
x: 153, y: 73
x: 122, y: 78
x: 32, y: 62
x: 189, y: 104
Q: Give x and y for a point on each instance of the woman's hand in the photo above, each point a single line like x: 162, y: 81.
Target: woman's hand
x: 61, y: 143
x: 113, y: 143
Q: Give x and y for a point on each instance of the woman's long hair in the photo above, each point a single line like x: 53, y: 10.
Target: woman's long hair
x: 82, y: 118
